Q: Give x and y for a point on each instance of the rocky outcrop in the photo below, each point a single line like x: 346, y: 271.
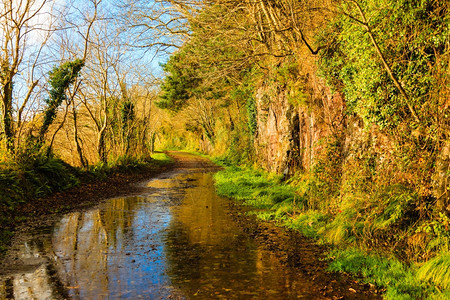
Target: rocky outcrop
x: 290, y: 132
x: 274, y: 128
x: 292, y: 135
x: 441, y: 178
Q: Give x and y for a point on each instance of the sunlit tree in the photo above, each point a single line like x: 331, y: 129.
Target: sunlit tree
x: 25, y: 28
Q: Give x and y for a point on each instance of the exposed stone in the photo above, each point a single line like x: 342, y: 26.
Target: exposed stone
x: 441, y: 178
x: 289, y: 135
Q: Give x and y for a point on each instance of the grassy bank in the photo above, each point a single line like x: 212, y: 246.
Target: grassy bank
x: 291, y: 204
x: 24, y: 183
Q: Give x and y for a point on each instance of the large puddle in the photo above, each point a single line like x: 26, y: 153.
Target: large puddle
x: 176, y: 241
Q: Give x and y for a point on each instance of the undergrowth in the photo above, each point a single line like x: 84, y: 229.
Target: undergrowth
x: 362, y: 227
x: 400, y: 280
x: 34, y: 177
x: 26, y: 178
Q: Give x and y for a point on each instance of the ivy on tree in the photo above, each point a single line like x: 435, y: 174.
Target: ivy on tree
x: 60, y: 79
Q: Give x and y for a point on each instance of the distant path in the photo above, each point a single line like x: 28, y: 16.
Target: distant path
x: 184, y: 160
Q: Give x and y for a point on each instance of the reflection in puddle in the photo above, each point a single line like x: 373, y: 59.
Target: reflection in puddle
x: 176, y: 241
x: 30, y: 285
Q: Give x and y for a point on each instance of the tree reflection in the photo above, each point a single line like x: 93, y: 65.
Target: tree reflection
x: 179, y: 241
x: 35, y: 282
x: 82, y: 243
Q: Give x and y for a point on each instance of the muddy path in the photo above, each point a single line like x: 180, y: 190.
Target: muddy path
x: 170, y: 237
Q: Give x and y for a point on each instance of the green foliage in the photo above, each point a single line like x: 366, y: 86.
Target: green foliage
x: 161, y: 158
x: 212, y: 76
x: 310, y: 223
x: 264, y: 215
x: 437, y: 231
x: 179, y: 83
x: 251, y: 115
x: 380, y: 218
x: 127, y: 112
x: 5, y: 238
x: 400, y: 280
x: 374, y: 194
x: 238, y: 184
x: 60, y: 79
x: 126, y: 162
x: 411, y: 35
x: 240, y: 150
x: 39, y: 175
x: 127, y: 116
x: 324, y: 181
x: 34, y: 175
x: 244, y: 93
x: 11, y: 192
x: 384, y: 218
x: 51, y: 175
x: 343, y: 228
x: 393, y: 206
x: 287, y: 75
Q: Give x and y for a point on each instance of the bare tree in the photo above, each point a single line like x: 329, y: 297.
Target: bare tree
x: 25, y: 27
x: 160, y: 25
x: 105, y: 83
x: 80, y: 35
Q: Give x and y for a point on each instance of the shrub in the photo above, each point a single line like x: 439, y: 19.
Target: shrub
x: 10, y: 191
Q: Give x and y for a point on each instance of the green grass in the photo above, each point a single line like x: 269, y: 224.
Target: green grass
x: 310, y: 223
x: 437, y: 271
x: 161, y: 158
x: 257, y: 189
x: 398, y: 279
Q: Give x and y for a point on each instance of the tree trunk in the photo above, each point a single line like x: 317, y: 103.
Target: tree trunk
x: 101, y: 146
x: 49, y: 150
x: 7, y: 122
x: 75, y: 136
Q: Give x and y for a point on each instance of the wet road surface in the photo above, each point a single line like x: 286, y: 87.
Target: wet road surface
x: 176, y: 240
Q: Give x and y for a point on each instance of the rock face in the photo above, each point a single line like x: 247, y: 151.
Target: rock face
x: 441, y: 178
x: 289, y: 132
x: 274, y: 133
x: 293, y: 134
